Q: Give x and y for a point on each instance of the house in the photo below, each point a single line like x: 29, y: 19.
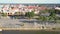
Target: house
x: 57, y: 8
x: 5, y: 8
x: 42, y: 8
x: 11, y: 9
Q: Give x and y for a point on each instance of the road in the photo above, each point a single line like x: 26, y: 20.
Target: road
x: 17, y: 23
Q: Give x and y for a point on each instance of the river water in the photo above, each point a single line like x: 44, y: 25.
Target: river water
x: 29, y: 32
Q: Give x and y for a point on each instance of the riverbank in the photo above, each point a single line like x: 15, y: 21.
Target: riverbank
x: 20, y: 28
x: 34, y: 29
x: 29, y: 32
x: 23, y: 29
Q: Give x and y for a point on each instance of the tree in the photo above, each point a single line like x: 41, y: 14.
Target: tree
x: 30, y: 14
x: 42, y: 18
x: 17, y: 13
x: 4, y: 14
x: 52, y: 15
x: 44, y: 11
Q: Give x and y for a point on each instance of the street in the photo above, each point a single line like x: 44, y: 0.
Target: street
x: 17, y: 23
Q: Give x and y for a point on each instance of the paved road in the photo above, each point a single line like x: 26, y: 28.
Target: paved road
x: 19, y: 23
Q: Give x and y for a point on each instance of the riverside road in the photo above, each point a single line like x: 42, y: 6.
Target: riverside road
x: 17, y: 23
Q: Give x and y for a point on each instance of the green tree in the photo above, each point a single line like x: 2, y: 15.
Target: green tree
x: 30, y: 14
x: 42, y: 18
x: 52, y: 15
x: 44, y: 11
x: 17, y: 13
x: 4, y: 14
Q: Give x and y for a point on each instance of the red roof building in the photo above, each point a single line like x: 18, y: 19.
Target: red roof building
x: 42, y: 8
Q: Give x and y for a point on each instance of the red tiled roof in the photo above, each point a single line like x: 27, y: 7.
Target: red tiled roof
x: 5, y: 8
x: 31, y: 7
x: 15, y: 8
x: 42, y: 8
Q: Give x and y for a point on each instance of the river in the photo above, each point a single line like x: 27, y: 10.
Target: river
x: 29, y: 32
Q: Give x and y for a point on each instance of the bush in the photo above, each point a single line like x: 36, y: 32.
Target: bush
x: 4, y: 14
x: 30, y: 14
x: 53, y: 28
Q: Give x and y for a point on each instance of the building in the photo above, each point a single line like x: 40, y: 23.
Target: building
x: 11, y: 9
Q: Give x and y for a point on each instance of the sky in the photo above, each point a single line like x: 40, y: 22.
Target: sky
x: 31, y: 1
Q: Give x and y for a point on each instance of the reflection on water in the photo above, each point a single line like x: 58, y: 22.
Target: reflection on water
x: 30, y: 32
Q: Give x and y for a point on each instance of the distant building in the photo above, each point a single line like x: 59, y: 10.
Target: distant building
x: 58, y: 8
x: 10, y: 9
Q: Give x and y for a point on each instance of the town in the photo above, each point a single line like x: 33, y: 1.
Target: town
x: 29, y: 16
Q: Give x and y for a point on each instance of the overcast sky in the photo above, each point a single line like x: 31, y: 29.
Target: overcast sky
x: 30, y: 1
